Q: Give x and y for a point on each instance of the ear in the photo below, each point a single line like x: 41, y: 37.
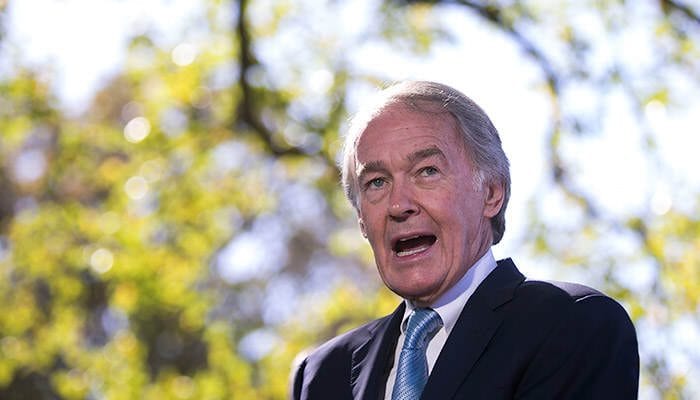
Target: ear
x: 494, y: 199
x: 362, y: 227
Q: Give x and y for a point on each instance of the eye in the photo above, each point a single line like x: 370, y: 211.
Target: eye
x: 376, y: 183
x: 428, y: 171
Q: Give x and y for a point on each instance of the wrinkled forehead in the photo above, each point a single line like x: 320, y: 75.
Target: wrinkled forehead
x: 390, y: 107
x: 391, y: 120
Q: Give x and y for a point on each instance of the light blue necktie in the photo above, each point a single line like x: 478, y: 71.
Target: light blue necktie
x: 412, y: 370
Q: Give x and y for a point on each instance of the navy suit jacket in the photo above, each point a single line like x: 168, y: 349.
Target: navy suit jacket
x: 515, y: 339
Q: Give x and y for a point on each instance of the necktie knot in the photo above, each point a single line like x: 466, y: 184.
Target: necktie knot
x: 423, y: 324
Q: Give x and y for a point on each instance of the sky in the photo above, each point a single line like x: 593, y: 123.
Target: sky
x: 83, y: 42
x: 80, y: 43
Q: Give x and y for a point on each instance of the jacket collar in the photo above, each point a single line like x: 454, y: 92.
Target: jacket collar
x: 372, y: 361
x: 478, y: 322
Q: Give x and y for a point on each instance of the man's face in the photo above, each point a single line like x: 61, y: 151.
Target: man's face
x: 419, y: 206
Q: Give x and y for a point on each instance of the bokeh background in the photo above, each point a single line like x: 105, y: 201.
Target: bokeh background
x: 171, y: 224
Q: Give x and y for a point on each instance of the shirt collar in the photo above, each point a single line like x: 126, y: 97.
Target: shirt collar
x: 451, y: 303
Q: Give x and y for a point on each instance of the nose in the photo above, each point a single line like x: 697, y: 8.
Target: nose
x: 402, y: 203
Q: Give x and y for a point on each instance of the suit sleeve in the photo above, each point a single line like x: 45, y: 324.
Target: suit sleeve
x: 590, y: 354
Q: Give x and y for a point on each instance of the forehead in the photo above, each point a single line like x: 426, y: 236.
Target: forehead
x: 399, y: 129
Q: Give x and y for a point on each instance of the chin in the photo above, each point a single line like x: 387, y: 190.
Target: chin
x: 416, y: 294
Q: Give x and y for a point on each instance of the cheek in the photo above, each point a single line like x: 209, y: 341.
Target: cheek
x: 370, y: 228
x: 458, y: 228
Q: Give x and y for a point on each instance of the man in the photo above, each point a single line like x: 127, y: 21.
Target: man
x: 425, y: 170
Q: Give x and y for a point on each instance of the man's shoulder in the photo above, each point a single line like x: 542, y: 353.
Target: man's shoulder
x: 568, y: 338
x: 566, y: 314
x: 507, y: 276
x: 564, y: 291
x: 572, y: 300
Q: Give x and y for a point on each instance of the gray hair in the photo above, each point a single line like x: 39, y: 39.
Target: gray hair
x: 480, y: 136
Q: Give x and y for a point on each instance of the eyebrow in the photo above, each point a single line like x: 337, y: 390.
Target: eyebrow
x: 369, y: 167
x: 413, y: 158
x: 422, y: 154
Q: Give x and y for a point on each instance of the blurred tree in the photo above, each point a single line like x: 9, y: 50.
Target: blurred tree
x: 160, y: 244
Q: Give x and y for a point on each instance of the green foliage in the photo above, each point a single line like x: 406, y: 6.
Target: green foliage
x: 115, y: 226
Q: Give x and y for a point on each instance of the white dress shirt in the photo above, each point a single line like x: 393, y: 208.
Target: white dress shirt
x: 448, y: 306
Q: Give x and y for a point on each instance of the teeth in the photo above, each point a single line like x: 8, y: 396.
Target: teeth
x: 408, y: 238
x: 411, y: 251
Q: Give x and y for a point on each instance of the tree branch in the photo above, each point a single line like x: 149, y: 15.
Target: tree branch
x: 669, y: 5
x: 247, y: 112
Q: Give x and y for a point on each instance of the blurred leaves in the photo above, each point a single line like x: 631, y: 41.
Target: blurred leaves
x: 164, y: 243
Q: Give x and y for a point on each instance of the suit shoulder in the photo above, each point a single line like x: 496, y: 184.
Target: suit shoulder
x: 586, y: 303
x: 583, y: 342
x: 572, y: 291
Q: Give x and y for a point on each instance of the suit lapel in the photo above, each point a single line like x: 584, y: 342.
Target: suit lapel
x: 477, y: 323
x: 372, y: 361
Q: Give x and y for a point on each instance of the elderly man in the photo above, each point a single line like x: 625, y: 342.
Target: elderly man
x: 425, y: 170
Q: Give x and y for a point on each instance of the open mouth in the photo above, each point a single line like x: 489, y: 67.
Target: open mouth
x: 413, y: 245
